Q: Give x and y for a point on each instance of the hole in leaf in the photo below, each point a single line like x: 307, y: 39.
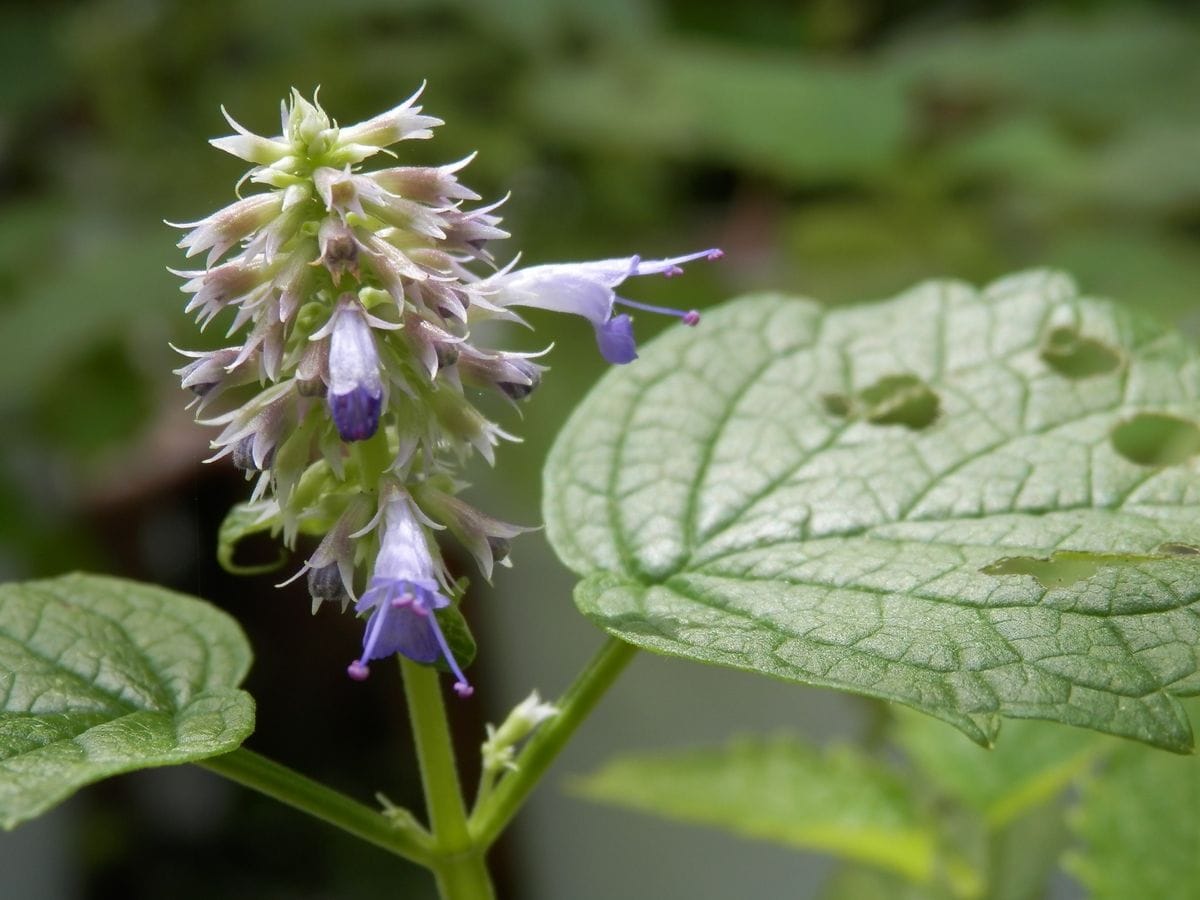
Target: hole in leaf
x: 1060, y: 570
x: 1069, y: 353
x: 1172, y: 548
x: 1156, y: 439
x: 837, y: 405
x: 1064, y: 568
x: 900, y: 400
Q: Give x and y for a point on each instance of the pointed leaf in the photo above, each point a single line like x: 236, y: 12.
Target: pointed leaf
x: 1034, y: 763
x: 101, y: 676
x: 781, y: 790
x: 873, y: 498
x: 1139, y: 824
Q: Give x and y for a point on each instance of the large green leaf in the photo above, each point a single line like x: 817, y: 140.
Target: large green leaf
x: 693, y: 99
x: 102, y: 676
x: 781, y: 790
x: 869, y: 499
x: 1140, y: 827
x: 1032, y: 765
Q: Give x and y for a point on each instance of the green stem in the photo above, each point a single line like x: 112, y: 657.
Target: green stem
x: 300, y: 792
x: 487, y: 781
x: 498, y: 807
x: 464, y: 877
x: 458, y: 862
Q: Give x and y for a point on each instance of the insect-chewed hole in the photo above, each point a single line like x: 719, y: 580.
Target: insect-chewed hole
x: 1059, y: 570
x: 1156, y: 439
x: 1063, y: 568
x: 900, y: 400
x: 1174, y: 548
x: 1069, y: 353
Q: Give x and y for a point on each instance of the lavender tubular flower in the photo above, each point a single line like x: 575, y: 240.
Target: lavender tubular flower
x: 403, y: 596
x: 348, y: 387
x: 589, y: 290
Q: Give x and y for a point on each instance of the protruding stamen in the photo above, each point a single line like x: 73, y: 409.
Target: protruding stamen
x: 358, y: 670
x: 689, y: 317
x: 374, y: 628
x: 673, y: 265
x: 461, y: 686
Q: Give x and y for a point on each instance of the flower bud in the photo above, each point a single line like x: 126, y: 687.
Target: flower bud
x: 325, y: 585
x: 531, y: 378
x: 250, y: 456
x: 497, y: 750
x: 339, y: 248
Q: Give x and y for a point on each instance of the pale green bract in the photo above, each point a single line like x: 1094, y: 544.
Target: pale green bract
x: 102, y: 676
x: 868, y: 499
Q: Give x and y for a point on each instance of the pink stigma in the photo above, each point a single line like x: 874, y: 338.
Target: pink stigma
x: 716, y: 253
x: 691, y: 317
x: 358, y: 670
x: 463, y: 689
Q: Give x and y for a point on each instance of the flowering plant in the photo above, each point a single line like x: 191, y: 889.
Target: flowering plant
x: 349, y: 398
x: 979, y: 504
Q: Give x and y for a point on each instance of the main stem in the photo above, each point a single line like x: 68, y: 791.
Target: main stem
x: 497, y: 808
x: 458, y: 862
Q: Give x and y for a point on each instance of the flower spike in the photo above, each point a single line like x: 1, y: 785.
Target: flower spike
x: 347, y: 393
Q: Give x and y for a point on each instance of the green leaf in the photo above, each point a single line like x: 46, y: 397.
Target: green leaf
x: 1101, y: 68
x: 121, y: 279
x: 690, y: 99
x: 1032, y: 765
x: 852, y: 882
x: 836, y: 801
x: 102, y: 676
x: 1140, y: 828
x: 720, y: 509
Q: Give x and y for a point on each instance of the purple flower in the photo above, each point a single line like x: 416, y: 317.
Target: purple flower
x: 588, y: 290
x: 403, y: 595
x: 355, y: 386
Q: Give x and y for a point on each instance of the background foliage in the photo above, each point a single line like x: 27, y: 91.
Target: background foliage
x: 837, y: 149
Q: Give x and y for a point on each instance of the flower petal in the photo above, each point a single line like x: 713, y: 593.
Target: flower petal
x: 615, y: 338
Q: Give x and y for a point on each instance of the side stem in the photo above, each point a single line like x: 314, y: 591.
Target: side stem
x: 300, y: 792
x: 497, y: 808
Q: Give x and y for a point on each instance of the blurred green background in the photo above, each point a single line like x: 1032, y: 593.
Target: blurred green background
x: 840, y: 149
